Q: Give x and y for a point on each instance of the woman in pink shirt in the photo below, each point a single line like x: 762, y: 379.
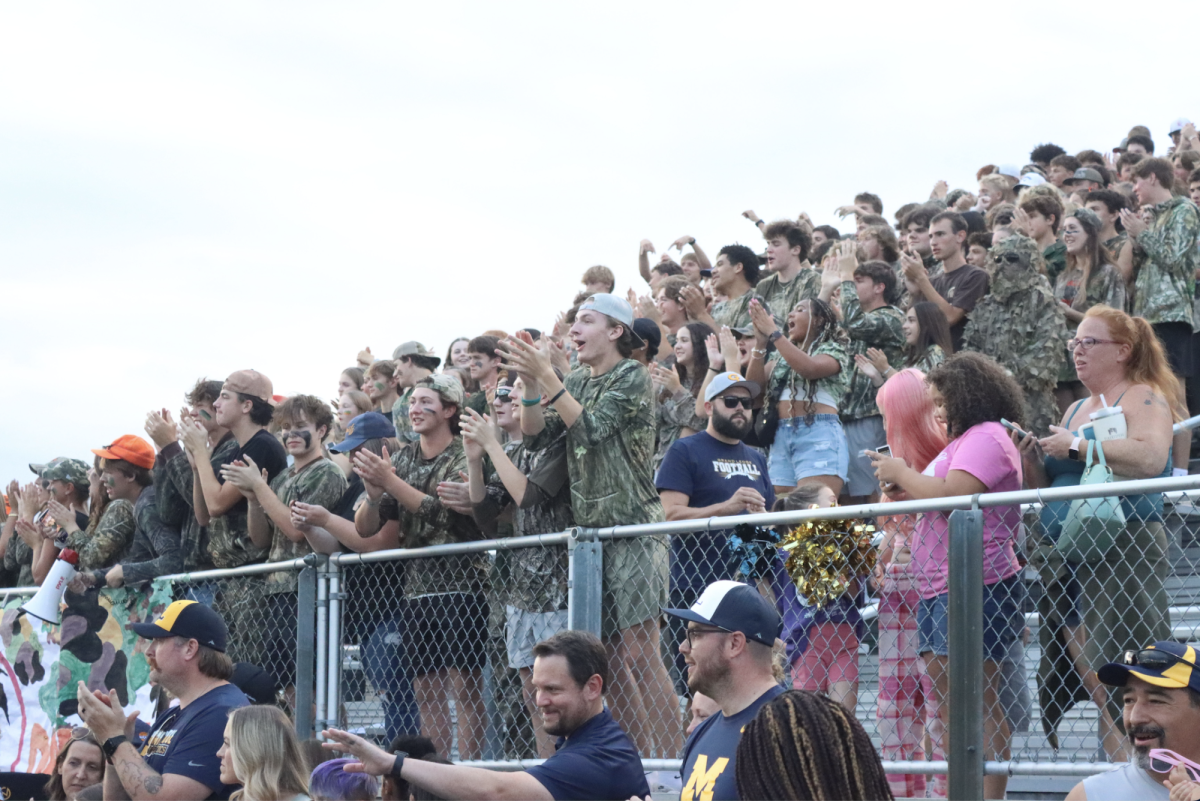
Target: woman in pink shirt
x: 974, y: 394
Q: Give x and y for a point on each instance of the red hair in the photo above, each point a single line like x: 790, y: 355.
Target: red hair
x: 1148, y: 362
x: 913, y: 431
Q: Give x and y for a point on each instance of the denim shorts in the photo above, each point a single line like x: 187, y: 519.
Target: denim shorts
x: 800, y: 450
x: 1003, y: 619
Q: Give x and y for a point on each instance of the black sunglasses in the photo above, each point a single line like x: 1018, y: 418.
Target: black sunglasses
x: 1011, y: 258
x: 1153, y: 659
x: 732, y: 402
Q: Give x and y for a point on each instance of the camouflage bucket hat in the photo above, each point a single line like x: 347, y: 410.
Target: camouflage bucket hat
x: 71, y: 471
x: 446, y: 387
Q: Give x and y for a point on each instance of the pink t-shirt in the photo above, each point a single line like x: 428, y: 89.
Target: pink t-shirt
x: 986, y: 452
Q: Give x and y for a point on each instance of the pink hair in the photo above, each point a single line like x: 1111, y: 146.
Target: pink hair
x: 913, y: 431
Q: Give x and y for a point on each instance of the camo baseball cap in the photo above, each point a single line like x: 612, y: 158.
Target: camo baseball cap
x: 415, y: 348
x: 71, y: 471
x: 446, y: 387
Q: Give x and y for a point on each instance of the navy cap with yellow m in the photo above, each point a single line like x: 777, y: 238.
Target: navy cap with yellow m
x: 188, y: 619
x: 1164, y: 664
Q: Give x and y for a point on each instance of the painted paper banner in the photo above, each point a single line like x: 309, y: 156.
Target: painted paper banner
x: 41, y: 665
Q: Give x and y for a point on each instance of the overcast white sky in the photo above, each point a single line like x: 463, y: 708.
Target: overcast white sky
x: 190, y: 189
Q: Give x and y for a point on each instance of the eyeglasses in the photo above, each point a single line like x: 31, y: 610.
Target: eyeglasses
x: 1163, y: 759
x: 1087, y: 343
x: 1153, y: 659
x: 692, y: 633
x: 732, y: 402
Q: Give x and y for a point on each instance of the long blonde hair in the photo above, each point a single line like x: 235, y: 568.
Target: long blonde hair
x: 266, y: 755
x: 1147, y: 360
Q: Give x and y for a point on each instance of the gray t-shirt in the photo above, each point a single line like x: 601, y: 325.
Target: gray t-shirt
x: 1126, y: 783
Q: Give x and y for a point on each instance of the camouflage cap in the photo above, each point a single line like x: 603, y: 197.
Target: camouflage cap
x: 446, y: 387
x: 71, y: 471
x: 415, y: 348
x: 250, y: 382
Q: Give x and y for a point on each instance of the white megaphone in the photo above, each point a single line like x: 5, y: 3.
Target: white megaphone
x: 47, y: 603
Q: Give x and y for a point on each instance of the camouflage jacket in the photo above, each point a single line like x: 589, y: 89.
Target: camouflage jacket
x: 1055, y: 258
x: 931, y: 358
x: 610, y: 449
x: 781, y: 298
x: 18, y: 560
x: 1105, y: 286
x: 173, y: 487
x: 156, y: 549
x: 1021, y: 325
x: 879, y: 328
x: 321, y: 483
x: 1166, y: 282
x: 105, y: 544
x: 434, y: 524
x: 736, y: 313
x: 672, y: 414
x: 536, y: 579
x: 404, y: 431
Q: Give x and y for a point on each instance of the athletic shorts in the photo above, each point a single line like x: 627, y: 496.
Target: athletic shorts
x: 447, y: 630
x: 523, y: 630
x: 866, y: 434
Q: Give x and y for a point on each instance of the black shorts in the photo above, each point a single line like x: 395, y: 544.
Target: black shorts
x: 448, y: 630
x: 1176, y: 339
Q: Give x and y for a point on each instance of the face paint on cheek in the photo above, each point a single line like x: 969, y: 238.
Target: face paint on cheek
x: 110, y: 481
x: 304, y: 435
x: 204, y: 414
x: 380, y: 386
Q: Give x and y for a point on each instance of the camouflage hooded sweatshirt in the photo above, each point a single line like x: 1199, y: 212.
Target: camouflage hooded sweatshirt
x: 1021, y: 325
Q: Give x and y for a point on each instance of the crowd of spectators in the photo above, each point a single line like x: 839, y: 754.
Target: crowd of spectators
x: 729, y: 385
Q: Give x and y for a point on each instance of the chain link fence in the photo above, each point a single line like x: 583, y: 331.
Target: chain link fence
x: 435, y: 641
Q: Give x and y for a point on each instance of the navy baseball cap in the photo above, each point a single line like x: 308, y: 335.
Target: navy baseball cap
x: 369, y: 425
x: 257, y: 684
x: 188, y: 619
x: 1164, y: 664
x: 734, y: 606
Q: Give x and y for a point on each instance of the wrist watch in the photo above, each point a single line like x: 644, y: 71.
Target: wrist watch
x: 111, y: 745
x: 1073, y: 451
x: 776, y: 334
x: 398, y: 764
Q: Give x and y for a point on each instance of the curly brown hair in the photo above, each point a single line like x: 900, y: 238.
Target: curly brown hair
x: 976, y: 390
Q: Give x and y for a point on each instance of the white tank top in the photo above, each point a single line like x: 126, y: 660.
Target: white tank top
x: 1126, y: 783
x: 801, y: 396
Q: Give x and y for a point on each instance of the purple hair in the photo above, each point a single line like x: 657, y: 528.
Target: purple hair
x: 329, y: 780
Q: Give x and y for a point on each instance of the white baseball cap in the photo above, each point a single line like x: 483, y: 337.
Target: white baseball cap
x: 616, y: 308
x: 724, y: 381
x: 1178, y: 124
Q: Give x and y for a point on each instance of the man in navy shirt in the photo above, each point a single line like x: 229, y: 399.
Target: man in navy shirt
x: 731, y: 630
x: 711, y: 474
x: 595, y: 758
x: 178, y: 758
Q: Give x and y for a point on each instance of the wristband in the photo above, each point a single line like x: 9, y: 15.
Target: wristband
x: 558, y: 395
x: 111, y: 745
x: 758, y: 351
x: 712, y: 369
x: 398, y: 764
x: 692, y: 241
x: 760, y: 222
x: 531, y: 401
x: 1073, y: 451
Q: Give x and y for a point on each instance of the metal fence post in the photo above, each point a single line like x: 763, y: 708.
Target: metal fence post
x: 333, y: 664
x: 320, y: 680
x: 585, y: 575
x: 306, y: 636
x: 965, y: 633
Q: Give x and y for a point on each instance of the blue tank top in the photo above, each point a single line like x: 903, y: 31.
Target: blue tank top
x: 1068, y: 472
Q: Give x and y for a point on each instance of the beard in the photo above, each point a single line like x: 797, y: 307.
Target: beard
x: 729, y: 427
x: 1141, y: 754
x: 708, y: 681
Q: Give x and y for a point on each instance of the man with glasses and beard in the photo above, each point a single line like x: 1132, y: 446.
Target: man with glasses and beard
x: 1161, y: 711
x: 731, y: 630
x: 711, y: 474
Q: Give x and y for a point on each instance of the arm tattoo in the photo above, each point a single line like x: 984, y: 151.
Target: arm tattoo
x: 134, y: 771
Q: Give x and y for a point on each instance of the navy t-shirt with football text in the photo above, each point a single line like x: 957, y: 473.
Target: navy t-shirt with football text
x: 708, y: 471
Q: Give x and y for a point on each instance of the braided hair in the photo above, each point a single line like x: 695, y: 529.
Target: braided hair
x: 802, y: 745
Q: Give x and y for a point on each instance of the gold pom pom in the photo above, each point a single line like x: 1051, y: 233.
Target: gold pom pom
x: 824, y: 556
